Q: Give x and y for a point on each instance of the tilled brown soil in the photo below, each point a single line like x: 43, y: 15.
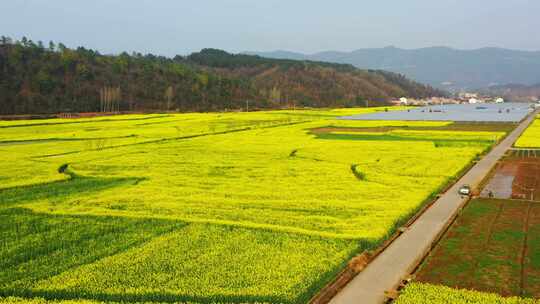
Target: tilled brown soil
x: 500, y: 183
x: 494, y: 246
x: 526, y: 181
x: 515, y: 178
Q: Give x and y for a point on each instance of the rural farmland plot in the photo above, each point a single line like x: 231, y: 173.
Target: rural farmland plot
x: 491, y: 253
x: 531, y: 136
x: 245, y: 207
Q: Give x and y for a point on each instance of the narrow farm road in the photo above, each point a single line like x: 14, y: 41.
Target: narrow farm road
x: 397, y: 261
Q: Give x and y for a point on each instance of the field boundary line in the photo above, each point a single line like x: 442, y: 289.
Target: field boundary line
x: 239, y: 225
x: 525, y: 250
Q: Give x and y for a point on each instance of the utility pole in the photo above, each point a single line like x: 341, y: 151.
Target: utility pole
x: 247, y: 105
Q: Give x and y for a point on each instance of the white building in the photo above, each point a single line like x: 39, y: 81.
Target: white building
x: 473, y: 101
x: 403, y: 101
x: 499, y: 100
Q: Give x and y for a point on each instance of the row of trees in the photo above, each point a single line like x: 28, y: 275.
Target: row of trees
x: 110, y: 99
x: 39, y: 79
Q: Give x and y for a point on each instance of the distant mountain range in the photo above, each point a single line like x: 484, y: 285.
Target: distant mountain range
x: 442, y: 67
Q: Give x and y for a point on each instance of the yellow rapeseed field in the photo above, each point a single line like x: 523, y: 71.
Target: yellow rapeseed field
x: 217, y: 207
x: 531, y: 137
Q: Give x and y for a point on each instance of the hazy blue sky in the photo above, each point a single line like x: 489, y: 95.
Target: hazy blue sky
x: 171, y: 27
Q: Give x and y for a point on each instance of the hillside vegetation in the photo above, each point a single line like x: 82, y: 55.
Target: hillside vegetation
x: 40, y: 79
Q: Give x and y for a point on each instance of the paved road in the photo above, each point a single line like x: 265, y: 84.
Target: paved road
x: 404, y: 254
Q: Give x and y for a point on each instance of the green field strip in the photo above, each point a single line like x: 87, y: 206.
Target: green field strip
x: 503, y: 128
x: 206, y: 263
x: 58, y: 191
x: 394, y: 137
x: 38, y: 246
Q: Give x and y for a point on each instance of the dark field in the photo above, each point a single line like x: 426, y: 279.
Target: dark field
x: 453, y: 126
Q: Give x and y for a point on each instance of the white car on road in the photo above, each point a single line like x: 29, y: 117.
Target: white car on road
x: 465, y: 190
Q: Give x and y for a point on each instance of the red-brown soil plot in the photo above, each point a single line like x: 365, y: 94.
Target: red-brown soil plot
x: 493, y: 246
x: 525, y: 184
x: 516, y: 177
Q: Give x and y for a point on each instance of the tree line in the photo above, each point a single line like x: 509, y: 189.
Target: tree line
x: 38, y: 78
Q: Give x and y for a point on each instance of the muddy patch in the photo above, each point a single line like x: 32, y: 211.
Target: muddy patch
x: 525, y: 185
x: 500, y: 184
x: 516, y: 177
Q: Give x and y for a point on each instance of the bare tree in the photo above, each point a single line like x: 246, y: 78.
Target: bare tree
x: 169, y: 95
x: 110, y: 99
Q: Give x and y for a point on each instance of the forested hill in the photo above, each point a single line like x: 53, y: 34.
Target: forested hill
x: 49, y: 79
